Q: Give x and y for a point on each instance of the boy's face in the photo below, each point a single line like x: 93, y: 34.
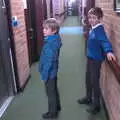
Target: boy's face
x: 48, y: 31
x: 93, y: 19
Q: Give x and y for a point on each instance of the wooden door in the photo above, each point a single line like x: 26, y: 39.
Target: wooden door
x: 34, y: 19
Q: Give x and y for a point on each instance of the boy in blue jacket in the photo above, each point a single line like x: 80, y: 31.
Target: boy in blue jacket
x: 98, y: 47
x: 49, y: 61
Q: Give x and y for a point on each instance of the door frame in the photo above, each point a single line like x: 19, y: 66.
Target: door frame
x: 51, y: 8
x: 44, y: 9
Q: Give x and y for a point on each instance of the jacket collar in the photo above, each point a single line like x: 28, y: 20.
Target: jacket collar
x: 93, y: 27
x: 50, y: 37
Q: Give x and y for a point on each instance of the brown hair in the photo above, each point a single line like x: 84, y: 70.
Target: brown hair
x: 96, y: 11
x: 52, y: 24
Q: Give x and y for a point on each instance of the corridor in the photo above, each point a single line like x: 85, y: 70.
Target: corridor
x: 30, y: 104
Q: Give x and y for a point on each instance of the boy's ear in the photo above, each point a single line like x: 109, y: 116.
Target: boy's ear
x: 54, y: 31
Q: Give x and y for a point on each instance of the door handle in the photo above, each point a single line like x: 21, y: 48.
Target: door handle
x: 31, y: 33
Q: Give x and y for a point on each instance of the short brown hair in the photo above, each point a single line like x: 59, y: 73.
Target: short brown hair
x: 96, y: 11
x: 52, y: 24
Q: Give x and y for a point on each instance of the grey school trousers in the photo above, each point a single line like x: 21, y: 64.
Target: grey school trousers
x: 53, y: 95
x: 93, y: 81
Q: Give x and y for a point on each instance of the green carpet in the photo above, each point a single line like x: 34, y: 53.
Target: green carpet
x: 72, y: 21
x: 30, y: 104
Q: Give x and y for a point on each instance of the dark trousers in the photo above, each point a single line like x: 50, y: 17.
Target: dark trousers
x: 53, y: 95
x: 93, y: 81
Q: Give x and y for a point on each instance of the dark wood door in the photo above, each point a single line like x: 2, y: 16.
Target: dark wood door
x: 31, y: 31
x: 6, y: 70
x: 34, y: 20
x: 39, y: 24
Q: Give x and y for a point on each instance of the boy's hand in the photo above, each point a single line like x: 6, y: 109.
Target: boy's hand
x: 111, y: 56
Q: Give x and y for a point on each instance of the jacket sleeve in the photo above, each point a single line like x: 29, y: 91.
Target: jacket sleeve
x: 104, y: 41
x: 49, y: 56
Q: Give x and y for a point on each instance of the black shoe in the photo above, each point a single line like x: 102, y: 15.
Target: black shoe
x: 45, y: 114
x: 93, y: 110
x: 59, y: 108
x: 49, y: 115
x: 84, y: 100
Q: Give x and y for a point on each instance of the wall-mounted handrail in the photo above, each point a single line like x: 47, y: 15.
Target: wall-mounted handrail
x: 115, y: 68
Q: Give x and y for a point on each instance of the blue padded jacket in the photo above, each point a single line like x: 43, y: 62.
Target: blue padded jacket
x: 49, y: 59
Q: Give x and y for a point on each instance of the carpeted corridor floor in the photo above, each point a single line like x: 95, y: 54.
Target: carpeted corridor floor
x: 30, y: 104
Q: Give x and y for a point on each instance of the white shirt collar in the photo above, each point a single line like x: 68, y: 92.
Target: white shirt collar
x: 93, y: 27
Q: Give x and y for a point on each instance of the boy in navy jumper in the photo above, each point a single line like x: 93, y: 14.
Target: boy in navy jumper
x: 98, y: 47
x: 49, y: 61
